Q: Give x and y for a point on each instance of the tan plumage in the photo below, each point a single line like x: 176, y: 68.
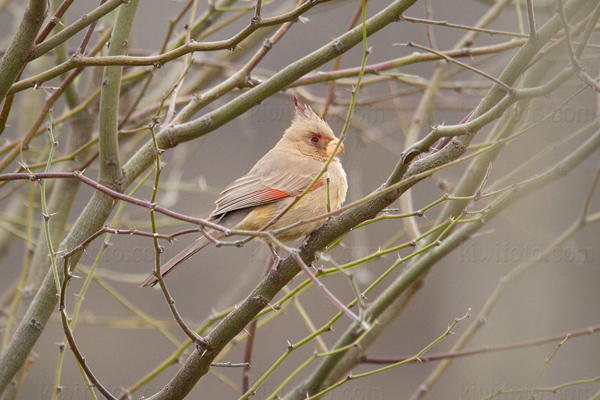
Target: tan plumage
x: 253, y: 200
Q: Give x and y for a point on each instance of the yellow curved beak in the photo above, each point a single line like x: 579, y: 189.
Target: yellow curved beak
x: 332, y: 145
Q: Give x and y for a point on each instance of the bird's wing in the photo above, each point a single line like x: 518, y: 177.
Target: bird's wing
x: 258, y: 188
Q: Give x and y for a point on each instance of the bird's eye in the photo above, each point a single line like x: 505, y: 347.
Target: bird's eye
x: 315, y: 139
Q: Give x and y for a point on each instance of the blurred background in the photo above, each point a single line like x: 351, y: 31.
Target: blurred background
x: 559, y: 295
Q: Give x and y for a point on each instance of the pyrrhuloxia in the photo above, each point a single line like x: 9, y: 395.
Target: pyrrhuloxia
x: 285, y: 172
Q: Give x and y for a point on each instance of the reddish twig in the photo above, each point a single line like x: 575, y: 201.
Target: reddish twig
x: 131, y: 231
x: 485, y: 349
x: 466, y: 66
x: 132, y: 200
x: 191, y: 334
x: 375, y: 69
x: 337, y: 63
x: 251, y: 331
x: 67, y: 275
x: 54, y: 20
x: 340, y: 306
x: 88, y: 34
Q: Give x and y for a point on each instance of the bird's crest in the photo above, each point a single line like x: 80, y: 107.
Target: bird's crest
x: 303, y: 111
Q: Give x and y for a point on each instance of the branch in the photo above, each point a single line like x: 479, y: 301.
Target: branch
x: 491, y: 32
x: 531, y: 19
x: 330, y: 296
x: 386, y: 307
x: 452, y: 354
x: 503, y: 283
x: 54, y: 20
x: 529, y: 52
x: 110, y: 165
x: 414, y: 58
x: 580, y: 71
x: 160, y: 60
x: 509, y: 89
x: 16, y: 55
x: 70, y: 31
x: 69, y: 335
x: 132, y: 200
x: 34, y: 130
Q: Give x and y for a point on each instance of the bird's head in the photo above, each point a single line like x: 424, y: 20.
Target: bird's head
x: 310, y: 135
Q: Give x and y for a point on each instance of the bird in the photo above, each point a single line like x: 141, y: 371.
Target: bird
x: 284, y: 173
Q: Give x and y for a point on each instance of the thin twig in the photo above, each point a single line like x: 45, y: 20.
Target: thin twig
x: 251, y: 330
x: 590, y: 330
x: 546, y: 362
x: 172, y: 23
x: 266, y: 47
x: 531, y: 20
x: 544, y: 52
x: 428, y: 27
x: 340, y: 306
x: 91, y: 17
x: 579, y: 70
x: 132, y: 200
x: 588, y: 199
x: 415, y: 358
x: 194, y: 337
x: 88, y: 34
x: 131, y: 232
x: 336, y: 66
x: 257, y: 12
x: 160, y: 60
x: 53, y: 21
x: 491, y: 32
x: 375, y: 69
x: 67, y: 275
x: 50, y: 101
x: 45, y: 212
x: 478, y: 71
x: 238, y: 80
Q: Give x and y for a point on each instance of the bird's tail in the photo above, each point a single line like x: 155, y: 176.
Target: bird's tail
x: 186, y: 253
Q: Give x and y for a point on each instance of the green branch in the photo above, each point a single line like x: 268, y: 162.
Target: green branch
x: 110, y: 166
x: 15, y: 58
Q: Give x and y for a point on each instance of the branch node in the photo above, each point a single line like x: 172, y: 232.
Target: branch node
x: 256, y: 20
x: 338, y: 46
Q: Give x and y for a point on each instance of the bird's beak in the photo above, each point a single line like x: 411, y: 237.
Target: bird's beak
x: 331, y: 146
